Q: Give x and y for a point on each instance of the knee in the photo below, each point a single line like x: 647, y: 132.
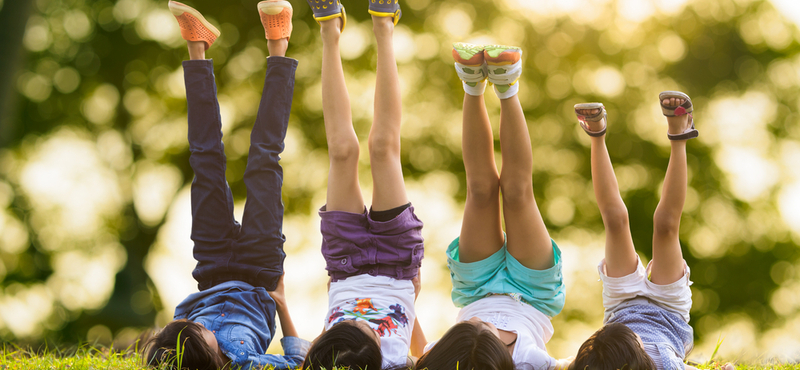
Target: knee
x: 666, y: 224
x: 616, y: 218
x: 517, y: 192
x: 344, y: 151
x: 483, y: 192
x: 383, y: 147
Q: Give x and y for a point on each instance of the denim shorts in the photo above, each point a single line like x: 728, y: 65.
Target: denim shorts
x: 355, y: 244
x: 501, y: 273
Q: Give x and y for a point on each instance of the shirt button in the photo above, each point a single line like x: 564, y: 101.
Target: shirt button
x: 215, y: 332
x: 241, y: 342
x: 372, y: 272
x: 344, y: 261
x: 223, y: 314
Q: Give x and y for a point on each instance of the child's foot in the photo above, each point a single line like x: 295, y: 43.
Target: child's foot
x: 276, y: 17
x: 386, y: 8
x: 677, y: 107
x: 592, y: 118
x: 470, y: 67
x: 504, y: 65
x: 194, y: 27
x: 328, y: 9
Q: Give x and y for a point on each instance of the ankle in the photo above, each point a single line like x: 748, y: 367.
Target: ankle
x: 197, y: 50
x: 382, y: 25
x: 678, y: 145
x: 277, y: 48
x: 331, y: 28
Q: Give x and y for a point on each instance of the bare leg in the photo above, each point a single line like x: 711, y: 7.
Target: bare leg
x: 389, y: 189
x: 528, y: 239
x: 197, y: 50
x: 621, y: 258
x: 481, y: 230
x: 344, y: 193
x: 668, y: 265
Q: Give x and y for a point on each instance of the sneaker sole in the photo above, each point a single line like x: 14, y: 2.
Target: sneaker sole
x: 501, y: 55
x: 178, y: 9
x: 468, y: 54
x: 273, y: 7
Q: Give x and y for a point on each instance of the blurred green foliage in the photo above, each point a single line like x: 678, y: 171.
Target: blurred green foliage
x: 97, y: 149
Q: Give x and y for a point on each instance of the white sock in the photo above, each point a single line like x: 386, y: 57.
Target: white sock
x: 476, y: 90
x: 505, y: 79
x: 510, y: 90
x: 473, y: 78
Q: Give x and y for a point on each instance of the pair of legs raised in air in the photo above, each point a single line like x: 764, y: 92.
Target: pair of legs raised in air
x: 238, y: 265
x: 372, y: 258
x: 498, y: 277
x: 638, y: 302
x: 667, y: 265
x: 344, y: 191
x: 481, y: 231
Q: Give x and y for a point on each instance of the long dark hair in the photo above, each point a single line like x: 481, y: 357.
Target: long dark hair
x: 614, y: 346
x: 344, y: 345
x: 467, y: 346
x: 196, y: 354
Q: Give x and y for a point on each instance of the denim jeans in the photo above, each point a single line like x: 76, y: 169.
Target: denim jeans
x: 226, y: 250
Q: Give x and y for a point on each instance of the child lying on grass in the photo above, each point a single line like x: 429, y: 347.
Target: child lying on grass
x: 646, y: 309
x: 373, y: 257
x: 508, y: 284
x: 239, y: 272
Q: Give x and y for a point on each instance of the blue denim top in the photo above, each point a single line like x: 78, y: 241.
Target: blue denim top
x: 242, y: 317
x: 672, y: 337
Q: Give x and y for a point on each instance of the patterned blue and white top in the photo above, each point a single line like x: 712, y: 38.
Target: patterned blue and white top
x: 666, y: 336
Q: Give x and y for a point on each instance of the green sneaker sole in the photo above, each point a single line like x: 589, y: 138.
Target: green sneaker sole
x: 502, y: 54
x: 468, y: 54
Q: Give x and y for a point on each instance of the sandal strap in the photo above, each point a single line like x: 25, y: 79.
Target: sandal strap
x: 324, y: 10
x: 593, y: 133
x: 592, y: 117
x: 582, y: 119
x: 690, y: 132
x: 680, y: 110
x: 386, y: 8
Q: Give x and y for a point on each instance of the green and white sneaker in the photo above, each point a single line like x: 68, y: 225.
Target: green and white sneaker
x: 470, y: 67
x: 504, y: 66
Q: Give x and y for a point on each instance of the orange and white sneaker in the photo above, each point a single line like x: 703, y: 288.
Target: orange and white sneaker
x: 504, y: 66
x: 193, y: 26
x: 276, y: 16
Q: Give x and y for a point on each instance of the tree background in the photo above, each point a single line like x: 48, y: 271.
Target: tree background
x: 94, y: 174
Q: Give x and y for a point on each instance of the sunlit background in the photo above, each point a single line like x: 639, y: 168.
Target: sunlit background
x: 94, y: 174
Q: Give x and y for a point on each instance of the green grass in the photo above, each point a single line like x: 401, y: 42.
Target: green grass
x: 80, y: 358
x: 87, y: 357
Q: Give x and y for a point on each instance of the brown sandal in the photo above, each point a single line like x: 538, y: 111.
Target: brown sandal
x: 683, y: 109
x: 582, y: 119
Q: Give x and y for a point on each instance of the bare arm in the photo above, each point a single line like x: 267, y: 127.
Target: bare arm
x: 418, y: 340
x: 287, y: 325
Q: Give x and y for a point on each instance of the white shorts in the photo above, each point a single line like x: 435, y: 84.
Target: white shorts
x: 636, y: 288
